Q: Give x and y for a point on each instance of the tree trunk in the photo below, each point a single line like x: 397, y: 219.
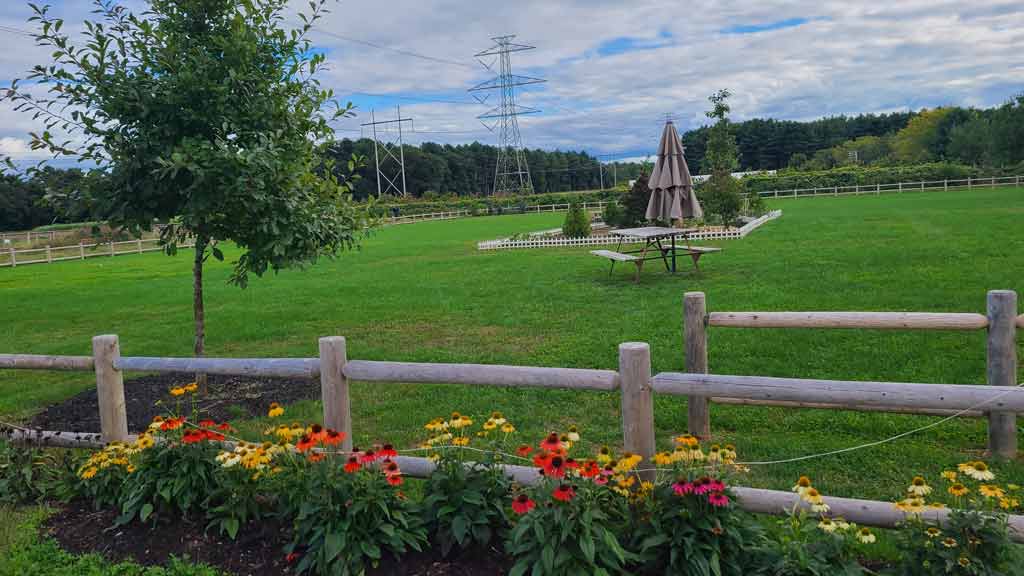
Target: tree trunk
x: 199, y: 313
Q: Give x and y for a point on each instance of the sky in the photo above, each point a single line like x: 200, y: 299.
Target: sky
x: 615, y: 70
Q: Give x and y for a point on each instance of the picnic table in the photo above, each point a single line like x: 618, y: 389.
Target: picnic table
x: 659, y: 238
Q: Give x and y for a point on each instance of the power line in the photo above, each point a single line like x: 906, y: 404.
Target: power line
x: 17, y: 31
x: 389, y: 48
x: 412, y: 98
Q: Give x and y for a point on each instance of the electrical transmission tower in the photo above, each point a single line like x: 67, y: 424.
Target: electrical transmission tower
x: 511, y: 173
x: 392, y: 168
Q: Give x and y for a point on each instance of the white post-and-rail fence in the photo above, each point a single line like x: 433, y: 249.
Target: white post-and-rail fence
x: 1001, y: 399
x: 896, y: 187
x: 511, y: 209
x: 10, y: 257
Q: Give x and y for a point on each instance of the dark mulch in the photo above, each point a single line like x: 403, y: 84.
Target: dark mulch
x: 229, y: 398
x: 80, y: 529
x: 257, y: 552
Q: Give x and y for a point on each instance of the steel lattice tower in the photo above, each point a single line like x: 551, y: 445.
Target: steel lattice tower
x: 511, y: 172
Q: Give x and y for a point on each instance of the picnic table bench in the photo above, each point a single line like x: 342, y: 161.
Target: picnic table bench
x: 653, y: 237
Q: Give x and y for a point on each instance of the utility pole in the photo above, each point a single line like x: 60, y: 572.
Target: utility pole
x: 511, y: 172
x: 392, y: 166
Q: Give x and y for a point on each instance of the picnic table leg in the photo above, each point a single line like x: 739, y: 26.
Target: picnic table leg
x: 695, y: 256
x: 664, y: 255
x: 618, y: 248
x: 673, y: 254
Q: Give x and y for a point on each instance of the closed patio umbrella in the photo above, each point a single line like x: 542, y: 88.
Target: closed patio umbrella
x: 672, y: 195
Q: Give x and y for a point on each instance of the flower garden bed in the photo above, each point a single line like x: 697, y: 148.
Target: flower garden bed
x: 300, y: 501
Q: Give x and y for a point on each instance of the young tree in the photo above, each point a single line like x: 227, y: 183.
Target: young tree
x: 577, y: 221
x: 205, y: 115
x: 721, y: 192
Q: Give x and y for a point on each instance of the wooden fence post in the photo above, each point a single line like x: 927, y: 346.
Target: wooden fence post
x: 139, y: 244
x: 969, y: 186
x: 81, y: 250
x: 695, y: 340
x: 637, y: 402
x: 334, y: 388
x: 49, y: 255
x: 945, y: 185
x: 111, y: 248
x: 1002, y: 368
x: 14, y: 258
x: 110, y: 389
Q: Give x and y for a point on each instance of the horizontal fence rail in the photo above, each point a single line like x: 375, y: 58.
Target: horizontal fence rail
x: 40, y: 362
x: 268, y: 367
x: 844, y: 392
x: 872, y: 320
x: 12, y: 258
x: 482, y: 374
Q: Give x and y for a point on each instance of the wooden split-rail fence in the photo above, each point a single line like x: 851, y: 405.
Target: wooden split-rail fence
x: 1000, y: 400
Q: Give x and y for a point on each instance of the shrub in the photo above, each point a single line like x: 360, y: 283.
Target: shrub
x: 635, y: 203
x: 805, y: 546
x: 29, y: 474
x: 721, y: 198
x: 612, y: 214
x: 577, y: 222
x: 463, y: 503
x: 861, y: 175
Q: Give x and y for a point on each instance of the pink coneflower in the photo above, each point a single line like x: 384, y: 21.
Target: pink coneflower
x: 682, y: 489
x: 718, y: 499
x: 717, y: 485
x: 702, y: 485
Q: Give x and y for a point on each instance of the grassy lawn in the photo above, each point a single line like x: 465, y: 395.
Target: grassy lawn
x: 423, y: 292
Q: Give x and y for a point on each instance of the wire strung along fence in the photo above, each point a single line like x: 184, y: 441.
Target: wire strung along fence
x: 12, y: 258
x: 999, y: 401
x: 896, y: 187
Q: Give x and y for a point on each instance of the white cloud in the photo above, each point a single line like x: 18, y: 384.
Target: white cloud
x: 851, y: 57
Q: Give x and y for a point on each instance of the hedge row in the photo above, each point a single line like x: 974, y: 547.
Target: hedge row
x: 861, y: 175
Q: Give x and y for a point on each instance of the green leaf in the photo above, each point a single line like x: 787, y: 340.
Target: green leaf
x: 145, y: 511
x: 587, y: 547
x: 217, y: 253
x: 460, y: 528
x: 547, y: 557
x: 332, y: 546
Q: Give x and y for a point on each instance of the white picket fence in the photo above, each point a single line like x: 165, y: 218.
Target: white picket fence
x: 539, y: 240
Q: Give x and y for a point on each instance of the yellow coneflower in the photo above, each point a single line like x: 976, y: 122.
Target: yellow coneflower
x: 275, y: 410
x: 663, y: 459
x: 604, y: 455
x: 714, y: 453
x: 191, y: 387
x: 490, y: 425
x: 865, y: 536
x: 964, y: 561
x: 918, y: 487
x: 508, y: 428
x: 811, y: 496
x: 461, y: 441
x: 842, y: 524
x: 949, y: 543
x: 177, y: 391
x: 980, y: 471
x: 1008, y: 503
x: 936, y: 505
x: 911, y: 505
x: 990, y: 491
x: 957, y: 489
x: 949, y: 475
x: 574, y: 434
x: 933, y: 532
x: 88, y: 473
x: 828, y: 525
x: 498, y: 418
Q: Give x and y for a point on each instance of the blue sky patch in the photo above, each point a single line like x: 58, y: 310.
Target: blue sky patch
x: 624, y: 44
x: 755, y: 28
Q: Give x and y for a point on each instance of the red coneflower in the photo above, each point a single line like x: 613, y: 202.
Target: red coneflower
x: 333, y: 438
x: 524, y: 451
x: 214, y: 436
x: 305, y: 443
x: 368, y: 456
x: 564, y: 492
x: 316, y: 457
x: 571, y: 464
x: 540, y: 459
x: 555, y: 467
x: 317, y: 432
x: 207, y: 423
x: 292, y: 557
x: 522, y: 504
x: 193, y: 436
x: 352, y: 465
x: 551, y: 443
x: 718, y: 499
x: 395, y: 480
x: 224, y: 426
x: 387, y: 451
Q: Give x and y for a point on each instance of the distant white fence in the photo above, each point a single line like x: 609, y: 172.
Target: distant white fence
x: 12, y: 258
x: 543, y: 242
x: 588, y: 206
x: 896, y: 188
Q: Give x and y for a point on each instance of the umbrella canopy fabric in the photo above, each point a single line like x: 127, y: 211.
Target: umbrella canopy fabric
x: 672, y: 195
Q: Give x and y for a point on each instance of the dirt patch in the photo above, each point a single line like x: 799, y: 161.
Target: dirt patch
x: 229, y: 398
x: 257, y: 552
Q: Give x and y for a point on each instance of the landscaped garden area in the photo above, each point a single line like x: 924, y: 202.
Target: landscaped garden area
x: 424, y: 293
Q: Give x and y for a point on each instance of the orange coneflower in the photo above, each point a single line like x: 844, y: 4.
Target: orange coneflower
x: 551, y: 443
x: 352, y: 465
x: 305, y: 443
x: 368, y: 456
x: 395, y: 480
x: 317, y: 432
x: 387, y: 451
x: 333, y: 438
x: 555, y: 467
x: 524, y: 451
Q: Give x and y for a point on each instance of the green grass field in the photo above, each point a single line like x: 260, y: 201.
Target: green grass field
x: 423, y: 292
